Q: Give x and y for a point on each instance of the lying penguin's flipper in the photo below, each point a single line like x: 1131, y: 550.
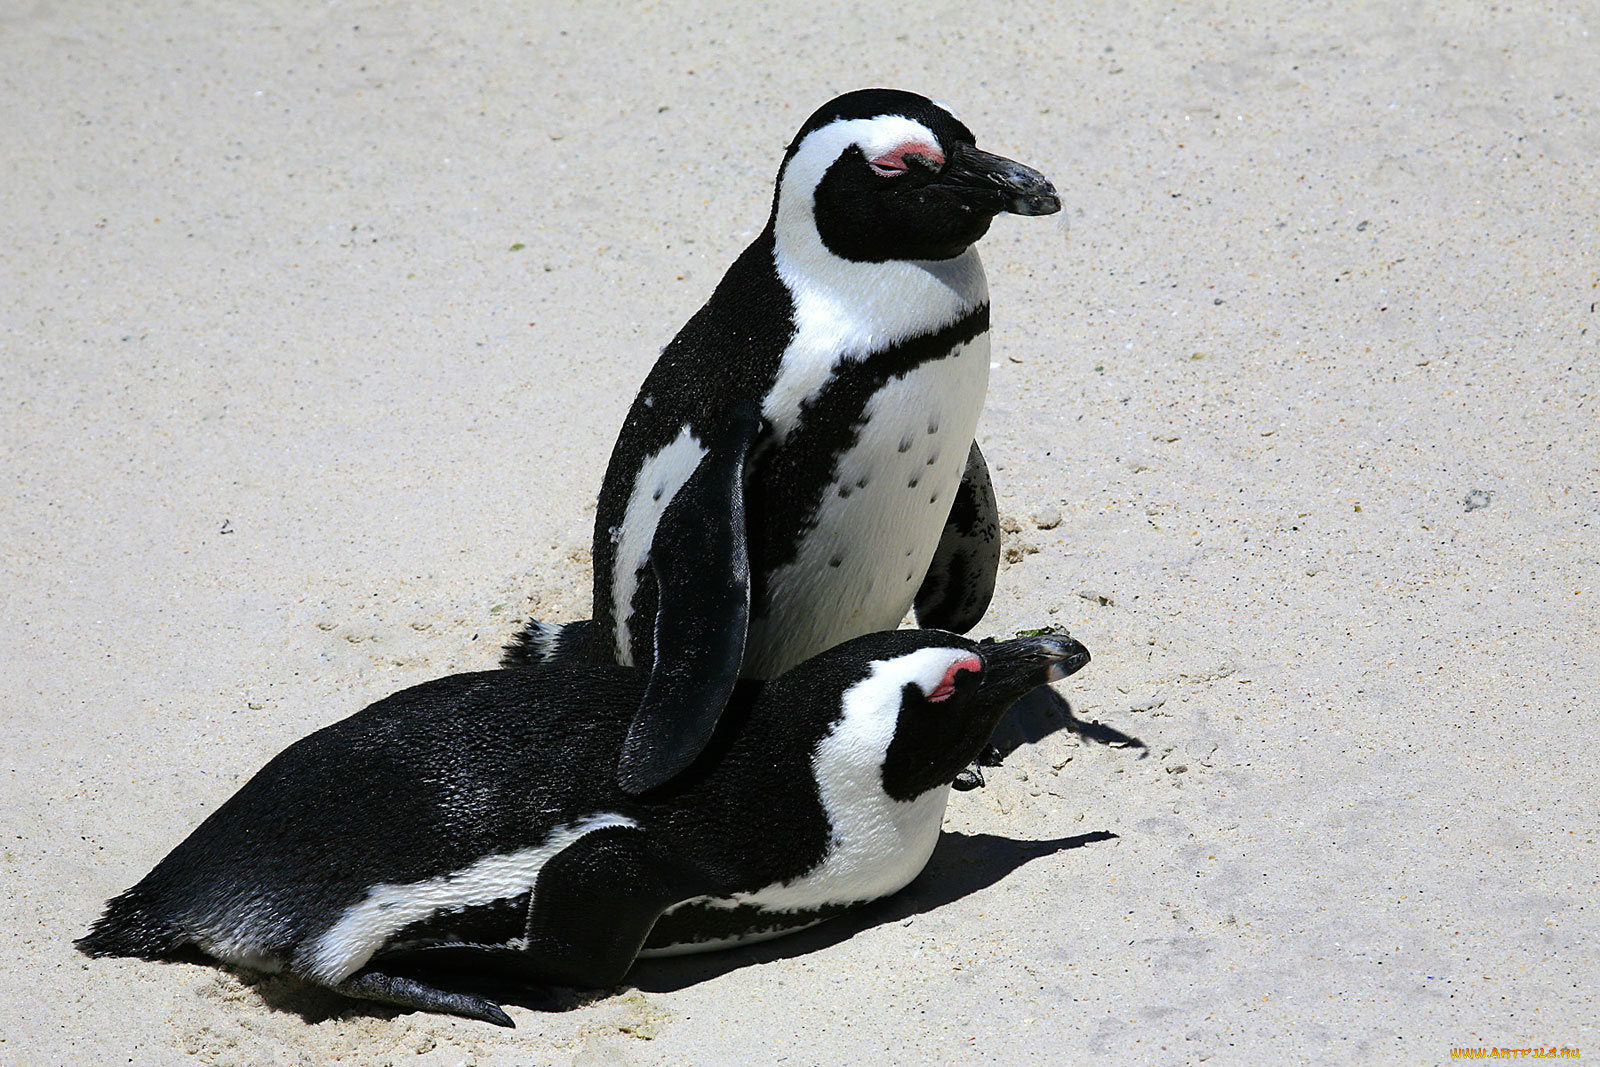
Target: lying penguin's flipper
x: 410, y: 993
x: 960, y: 580
x: 595, y: 905
x: 701, y: 563
x: 550, y: 644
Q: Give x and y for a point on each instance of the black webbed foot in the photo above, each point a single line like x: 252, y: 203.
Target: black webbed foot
x: 970, y: 778
x: 410, y: 993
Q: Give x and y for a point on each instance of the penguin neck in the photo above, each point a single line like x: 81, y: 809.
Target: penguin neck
x: 864, y: 307
x: 845, y: 310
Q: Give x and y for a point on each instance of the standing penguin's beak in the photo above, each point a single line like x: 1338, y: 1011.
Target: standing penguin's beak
x: 995, y: 184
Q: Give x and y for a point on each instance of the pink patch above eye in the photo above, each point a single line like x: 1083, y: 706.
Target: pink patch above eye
x: 947, y: 685
x: 894, y: 162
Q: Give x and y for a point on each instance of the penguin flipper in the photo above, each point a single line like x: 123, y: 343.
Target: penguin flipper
x: 409, y: 993
x: 550, y: 644
x: 960, y: 580
x: 701, y: 561
x: 596, y: 903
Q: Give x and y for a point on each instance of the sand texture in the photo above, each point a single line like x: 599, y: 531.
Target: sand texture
x: 317, y: 321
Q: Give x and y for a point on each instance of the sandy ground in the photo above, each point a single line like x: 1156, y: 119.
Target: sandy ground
x: 318, y: 321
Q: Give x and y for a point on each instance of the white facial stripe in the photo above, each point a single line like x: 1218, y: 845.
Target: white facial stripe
x: 947, y: 684
x: 366, y: 927
x: 924, y: 668
x: 659, y: 480
x: 875, y: 136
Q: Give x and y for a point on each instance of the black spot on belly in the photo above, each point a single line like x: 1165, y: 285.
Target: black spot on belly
x: 933, y: 424
x: 934, y: 499
x: 933, y: 459
x: 844, y: 492
x: 912, y: 484
x: 835, y: 561
x: 905, y: 444
x: 794, y: 478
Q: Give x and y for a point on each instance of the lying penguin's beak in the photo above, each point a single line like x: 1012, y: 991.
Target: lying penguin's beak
x: 995, y: 183
x: 1024, y: 662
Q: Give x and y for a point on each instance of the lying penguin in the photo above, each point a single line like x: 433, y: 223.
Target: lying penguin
x: 799, y: 467
x: 476, y: 820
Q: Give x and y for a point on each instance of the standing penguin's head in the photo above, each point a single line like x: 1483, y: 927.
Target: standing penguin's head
x: 919, y: 705
x: 882, y: 174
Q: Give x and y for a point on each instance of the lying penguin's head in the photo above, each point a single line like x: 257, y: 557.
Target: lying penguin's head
x: 881, y: 174
x: 921, y: 704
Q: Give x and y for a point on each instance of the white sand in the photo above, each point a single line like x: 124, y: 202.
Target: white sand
x: 290, y: 426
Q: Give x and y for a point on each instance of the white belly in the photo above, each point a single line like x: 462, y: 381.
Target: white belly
x: 858, y: 570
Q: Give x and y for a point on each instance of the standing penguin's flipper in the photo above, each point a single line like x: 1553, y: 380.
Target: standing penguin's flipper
x: 701, y: 563
x: 410, y: 993
x: 960, y: 580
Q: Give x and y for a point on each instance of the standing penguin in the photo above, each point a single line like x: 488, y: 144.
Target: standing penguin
x: 799, y: 466
x: 474, y: 822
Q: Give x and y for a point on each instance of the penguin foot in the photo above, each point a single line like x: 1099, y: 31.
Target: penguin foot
x: 410, y: 993
x: 970, y: 778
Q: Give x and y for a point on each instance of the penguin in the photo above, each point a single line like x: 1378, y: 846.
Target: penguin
x: 474, y: 825
x: 799, y: 467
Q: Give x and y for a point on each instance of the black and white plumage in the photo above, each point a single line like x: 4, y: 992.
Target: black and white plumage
x: 475, y: 822
x: 799, y: 467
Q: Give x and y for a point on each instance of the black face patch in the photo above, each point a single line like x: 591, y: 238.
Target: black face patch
x: 868, y: 217
x: 872, y: 218
x: 934, y: 739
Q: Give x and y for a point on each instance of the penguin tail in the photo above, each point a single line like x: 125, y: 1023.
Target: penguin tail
x: 550, y: 644
x: 132, y: 926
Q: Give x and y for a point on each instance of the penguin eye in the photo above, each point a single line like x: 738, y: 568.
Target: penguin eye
x: 947, y: 684
x: 900, y: 159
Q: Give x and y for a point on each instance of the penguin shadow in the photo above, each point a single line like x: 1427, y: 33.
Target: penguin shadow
x: 961, y: 864
x: 1041, y: 713
x: 314, y: 1004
